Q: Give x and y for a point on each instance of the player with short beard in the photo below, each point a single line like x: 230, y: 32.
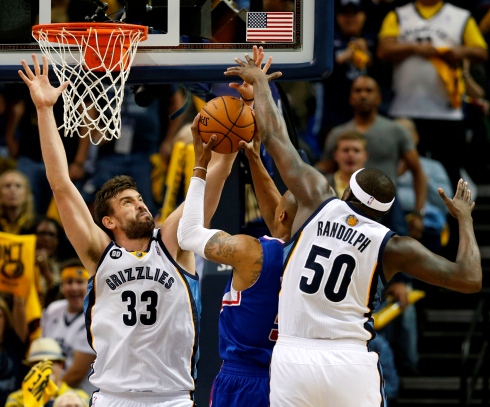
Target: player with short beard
x: 143, y: 308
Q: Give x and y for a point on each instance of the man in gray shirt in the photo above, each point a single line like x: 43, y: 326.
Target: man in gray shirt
x: 387, y: 143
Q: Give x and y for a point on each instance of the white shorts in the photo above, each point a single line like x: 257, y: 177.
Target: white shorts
x: 103, y: 399
x: 325, y: 373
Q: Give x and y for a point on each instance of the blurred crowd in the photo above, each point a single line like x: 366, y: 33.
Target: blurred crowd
x: 407, y: 94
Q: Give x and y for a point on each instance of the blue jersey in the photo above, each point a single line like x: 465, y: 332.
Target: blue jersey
x: 248, y: 319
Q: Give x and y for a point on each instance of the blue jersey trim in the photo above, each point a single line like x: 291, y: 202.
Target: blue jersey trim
x: 387, y: 237
x: 158, y: 238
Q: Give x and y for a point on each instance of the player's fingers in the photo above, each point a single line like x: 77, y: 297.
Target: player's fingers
x: 23, y: 77
x: 259, y: 58
x: 267, y: 65
x: 261, y: 54
x: 273, y: 76
x: 211, y: 143
x: 234, y: 85
x: 459, y: 189
x: 45, y: 66
x: 63, y: 86
x: 27, y: 70
x: 37, y: 68
x: 443, y: 195
x: 240, y: 62
x: 243, y: 145
x: 235, y: 70
x: 195, y: 124
x: 249, y: 60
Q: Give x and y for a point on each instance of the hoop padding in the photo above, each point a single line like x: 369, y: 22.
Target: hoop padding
x: 95, y: 58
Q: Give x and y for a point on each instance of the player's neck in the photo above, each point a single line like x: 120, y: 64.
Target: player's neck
x: 132, y: 245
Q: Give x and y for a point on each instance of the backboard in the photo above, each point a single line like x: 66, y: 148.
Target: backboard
x: 190, y: 40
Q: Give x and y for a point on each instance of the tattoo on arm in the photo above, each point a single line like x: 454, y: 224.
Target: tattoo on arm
x: 222, y: 245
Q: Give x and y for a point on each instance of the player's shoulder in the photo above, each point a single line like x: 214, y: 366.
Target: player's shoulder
x: 400, y: 248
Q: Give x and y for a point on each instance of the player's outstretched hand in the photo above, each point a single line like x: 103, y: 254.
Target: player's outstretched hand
x: 202, y: 151
x: 43, y: 94
x: 461, y: 205
x: 246, y: 89
x: 249, y: 71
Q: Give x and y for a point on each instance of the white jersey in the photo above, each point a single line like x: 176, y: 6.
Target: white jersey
x: 69, y: 331
x: 143, y: 313
x: 331, y: 273
x: 419, y: 91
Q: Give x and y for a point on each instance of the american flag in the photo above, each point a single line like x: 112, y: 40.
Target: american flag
x: 270, y: 27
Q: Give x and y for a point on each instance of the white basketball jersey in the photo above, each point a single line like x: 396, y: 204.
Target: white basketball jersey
x: 419, y: 91
x: 143, y: 313
x: 331, y: 273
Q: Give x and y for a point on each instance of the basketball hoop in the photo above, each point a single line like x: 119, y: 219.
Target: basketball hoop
x: 96, y: 59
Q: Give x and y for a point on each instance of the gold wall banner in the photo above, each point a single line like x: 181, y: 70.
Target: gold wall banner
x: 17, y: 262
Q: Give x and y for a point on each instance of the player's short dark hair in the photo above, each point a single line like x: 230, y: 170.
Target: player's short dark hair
x: 109, y: 190
x: 377, y: 184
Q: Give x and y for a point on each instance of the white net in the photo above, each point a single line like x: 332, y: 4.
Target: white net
x: 96, y: 63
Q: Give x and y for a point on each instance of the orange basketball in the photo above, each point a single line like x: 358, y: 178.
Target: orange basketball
x: 230, y: 119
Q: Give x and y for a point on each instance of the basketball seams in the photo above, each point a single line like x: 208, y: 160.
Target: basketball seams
x: 225, y: 104
x: 225, y: 126
x: 218, y: 113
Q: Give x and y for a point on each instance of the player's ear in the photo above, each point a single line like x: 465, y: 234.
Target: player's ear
x: 283, y: 216
x: 108, y: 222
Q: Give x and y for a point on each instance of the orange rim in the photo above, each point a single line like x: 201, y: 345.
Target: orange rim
x: 100, y: 32
x: 104, y: 37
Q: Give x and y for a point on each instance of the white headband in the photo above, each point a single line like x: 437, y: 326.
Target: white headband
x: 365, y: 198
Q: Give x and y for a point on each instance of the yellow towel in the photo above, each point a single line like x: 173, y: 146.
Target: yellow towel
x: 360, y: 59
x: 452, y: 79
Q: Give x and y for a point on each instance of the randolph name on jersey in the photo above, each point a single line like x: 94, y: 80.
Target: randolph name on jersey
x: 346, y: 234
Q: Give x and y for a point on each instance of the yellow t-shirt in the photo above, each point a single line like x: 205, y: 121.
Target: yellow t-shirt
x: 472, y: 36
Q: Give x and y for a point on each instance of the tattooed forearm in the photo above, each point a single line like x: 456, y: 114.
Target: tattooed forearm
x: 221, y: 244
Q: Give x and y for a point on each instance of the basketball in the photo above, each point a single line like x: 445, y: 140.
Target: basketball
x: 230, y: 119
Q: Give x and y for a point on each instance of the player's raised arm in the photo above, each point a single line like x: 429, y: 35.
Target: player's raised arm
x: 268, y: 196
x: 408, y: 255
x: 242, y: 252
x: 307, y: 184
x: 86, y: 237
